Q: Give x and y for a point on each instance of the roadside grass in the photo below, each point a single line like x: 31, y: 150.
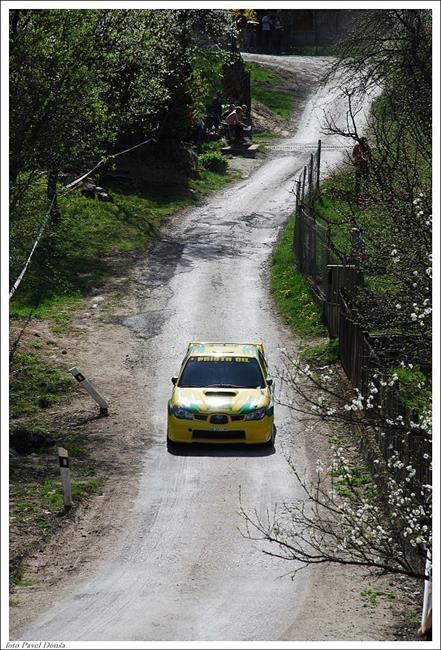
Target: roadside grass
x: 324, y: 352
x: 35, y: 508
x: 372, y: 597
x: 291, y: 292
x: 267, y: 88
x: 265, y: 136
x: 415, y: 387
x: 34, y: 385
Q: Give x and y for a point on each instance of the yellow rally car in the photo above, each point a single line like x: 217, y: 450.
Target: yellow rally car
x: 222, y: 394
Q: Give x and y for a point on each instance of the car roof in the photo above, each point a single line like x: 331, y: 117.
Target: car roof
x: 225, y: 349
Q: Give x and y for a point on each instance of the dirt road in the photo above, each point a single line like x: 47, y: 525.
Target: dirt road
x: 181, y: 569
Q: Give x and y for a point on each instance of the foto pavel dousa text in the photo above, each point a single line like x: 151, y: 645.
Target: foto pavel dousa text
x: 35, y: 644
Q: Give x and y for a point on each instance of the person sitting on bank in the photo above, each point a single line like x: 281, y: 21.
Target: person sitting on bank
x: 227, y: 111
x: 234, y: 121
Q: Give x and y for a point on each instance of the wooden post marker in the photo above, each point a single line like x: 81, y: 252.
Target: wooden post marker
x: 85, y: 383
x: 63, y: 457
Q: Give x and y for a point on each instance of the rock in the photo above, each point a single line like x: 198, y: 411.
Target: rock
x: 103, y: 196
x: 98, y: 299
x: 63, y: 351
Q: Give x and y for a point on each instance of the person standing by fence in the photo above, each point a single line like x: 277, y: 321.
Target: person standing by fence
x: 358, y: 248
x: 361, y: 154
x: 266, y: 32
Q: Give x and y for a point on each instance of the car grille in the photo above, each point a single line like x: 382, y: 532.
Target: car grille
x: 219, y: 435
x: 219, y: 419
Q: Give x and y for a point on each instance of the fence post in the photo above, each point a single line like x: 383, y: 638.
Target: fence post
x: 319, y: 155
x: 63, y: 458
x: 303, y: 183
x: 310, y: 181
x: 295, y: 233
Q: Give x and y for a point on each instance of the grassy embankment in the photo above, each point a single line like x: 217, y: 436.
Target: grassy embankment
x: 265, y: 88
x: 79, y: 254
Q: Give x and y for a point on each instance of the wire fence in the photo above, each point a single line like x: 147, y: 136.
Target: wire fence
x: 331, y: 283
x: 311, y: 242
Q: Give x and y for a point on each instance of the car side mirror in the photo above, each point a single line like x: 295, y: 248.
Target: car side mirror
x: 269, y: 382
x: 174, y: 380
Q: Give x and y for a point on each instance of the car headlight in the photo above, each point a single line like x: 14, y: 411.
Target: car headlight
x: 258, y: 414
x: 181, y: 413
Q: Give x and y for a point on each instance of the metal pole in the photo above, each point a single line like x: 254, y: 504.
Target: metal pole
x: 311, y: 167
x: 86, y: 384
x: 319, y: 155
x: 63, y: 458
x: 304, y: 183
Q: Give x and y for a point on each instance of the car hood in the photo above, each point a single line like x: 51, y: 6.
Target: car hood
x: 226, y: 400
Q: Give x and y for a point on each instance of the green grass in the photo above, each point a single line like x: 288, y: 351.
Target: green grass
x: 36, y: 503
x: 323, y: 352
x: 265, y: 136
x: 52, y: 493
x: 19, y: 581
x: 34, y: 385
x: 291, y: 292
x: 85, y: 248
x: 261, y: 73
x: 415, y: 388
x: 277, y: 101
x: 373, y: 597
x: 263, y: 82
x: 349, y: 479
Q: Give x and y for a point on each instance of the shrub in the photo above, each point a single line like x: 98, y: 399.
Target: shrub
x: 214, y: 161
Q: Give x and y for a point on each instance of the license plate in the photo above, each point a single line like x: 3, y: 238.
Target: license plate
x: 218, y: 429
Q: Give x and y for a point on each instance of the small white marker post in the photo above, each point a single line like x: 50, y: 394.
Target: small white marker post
x: 63, y: 457
x: 85, y: 383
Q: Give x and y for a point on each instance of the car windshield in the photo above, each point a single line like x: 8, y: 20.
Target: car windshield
x: 222, y: 372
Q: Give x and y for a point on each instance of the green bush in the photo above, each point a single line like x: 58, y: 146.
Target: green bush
x: 214, y: 161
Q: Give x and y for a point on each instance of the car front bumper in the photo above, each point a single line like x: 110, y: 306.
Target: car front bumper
x: 249, y: 432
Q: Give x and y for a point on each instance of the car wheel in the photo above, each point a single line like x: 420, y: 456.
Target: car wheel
x: 172, y: 446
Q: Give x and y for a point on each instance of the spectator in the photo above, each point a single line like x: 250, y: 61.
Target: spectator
x: 361, y: 159
x: 278, y: 33
x: 425, y: 631
x: 266, y: 30
x: 234, y: 121
x: 358, y: 248
x: 226, y: 113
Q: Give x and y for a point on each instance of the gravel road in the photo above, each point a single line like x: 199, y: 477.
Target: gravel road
x: 184, y: 571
